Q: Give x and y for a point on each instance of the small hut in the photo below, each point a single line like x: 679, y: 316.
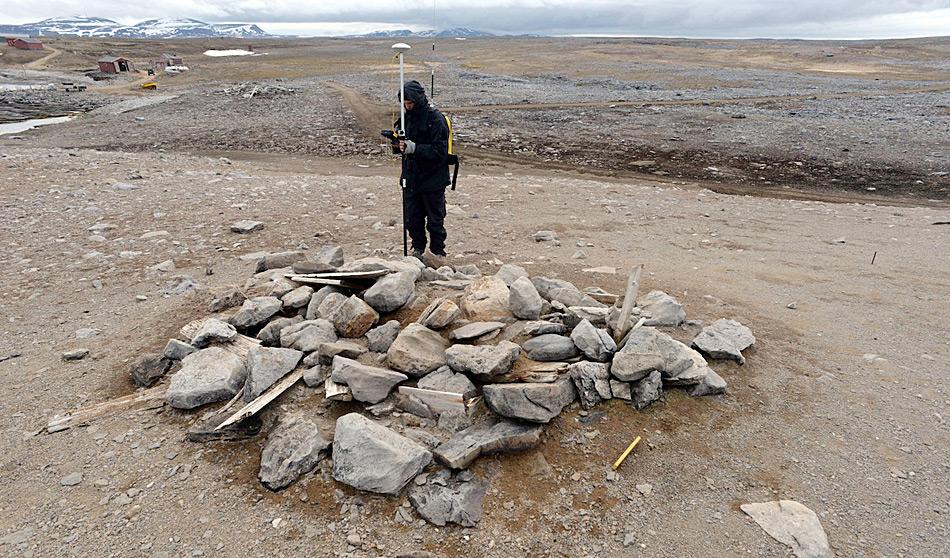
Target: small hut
x: 166, y: 60
x: 27, y: 44
x: 115, y: 64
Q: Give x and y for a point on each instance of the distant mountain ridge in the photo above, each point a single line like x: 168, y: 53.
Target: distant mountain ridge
x: 163, y: 28
x: 453, y: 32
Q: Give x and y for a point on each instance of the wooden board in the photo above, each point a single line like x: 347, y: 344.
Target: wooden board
x: 87, y: 414
x: 629, y: 301
x: 330, y: 282
x: 354, y: 275
x: 263, y: 399
x: 438, y: 401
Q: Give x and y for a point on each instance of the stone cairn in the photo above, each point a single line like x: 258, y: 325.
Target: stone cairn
x: 481, y: 369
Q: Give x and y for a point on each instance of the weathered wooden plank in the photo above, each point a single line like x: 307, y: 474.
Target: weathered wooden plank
x: 88, y: 414
x: 263, y: 399
x: 629, y: 301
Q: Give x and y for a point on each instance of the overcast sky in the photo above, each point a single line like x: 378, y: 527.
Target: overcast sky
x: 690, y: 18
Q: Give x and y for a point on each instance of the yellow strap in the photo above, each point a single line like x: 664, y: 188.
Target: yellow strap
x: 448, y: 121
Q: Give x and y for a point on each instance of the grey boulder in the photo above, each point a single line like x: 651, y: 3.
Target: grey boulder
x: 466, y: 446
x: 245, y: 226
x: 391, y: 292
x: 449, y: 500
x: 439, y: 314
x: 149, y: 368
x: 297, y: 298
x: 308, y: 335
x: 279, y: 260
x: 712, y: 384
x: 256, y: 311
x: 592, y: 381
x: 317, y: 298
x: 531, y: 402
x: 524, y: 300
x: 417, y: 351
x: 550, y: 348
x: 483, y: 362
x: 596, y: 344
x: 330, y: 255
x: 266, y: 365
x: 368, y: 456
x: 381, y: 338
x: 444, y: 379
x: 724, y: 339
x: 661, y: 309
x: 328, y: 306
x: 509, y: 273
x: 269, y: 335
x: 354, y: 317
x: 293, y: 449
x: 486, y: 299
x: 206, y: 376
x: 177, y: 350
x: 647, y: 390
x: 211, y: 331
x: 367, y: 383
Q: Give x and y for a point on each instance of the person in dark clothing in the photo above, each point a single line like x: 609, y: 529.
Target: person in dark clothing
x: 425, y: 171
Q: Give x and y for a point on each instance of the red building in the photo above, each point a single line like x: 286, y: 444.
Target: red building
x: 166, y: 60
x: 115, y: 64
x: 26, y: 44
x: 10, y: 41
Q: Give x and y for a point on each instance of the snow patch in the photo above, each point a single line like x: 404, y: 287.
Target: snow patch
x: 235, y: 52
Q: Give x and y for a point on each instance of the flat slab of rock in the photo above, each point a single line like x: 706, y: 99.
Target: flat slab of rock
x: 550, y: 347
x: 346, y: 349
x: 382, y: 337
x: 592, y: 381
x: 509, y: 273
x: 543, y: 328
x: 793, y: 525
x: 445, y: 499
x: 279, y: 260
x: 417, y: 351
x: 724, y: 339
x: 367, y: 383
x: 474, y: 330
x: 466, y: 446
x: 245, y: 226
x: 661, y: 309
x: 266, y: 365
x: 638, y: 357
x: 483, y: 362
x: 309, y: 266
x: 439, y: 314
x: 368, y: 456
x: 256, y: 311
x: 177, y: 350
x: 531, y: 402
x: 444, y: 379
x: 712, y: 384
x: 211, y: 331
x: 391, y: 292
x: 293, y: 449
x: 149, y: 368
x: 297, y: 298
x: 523, y: 299
x: 596, y: 344
x: 206, y: 376
x: 486, y: 299
x: 308, y: 335
x: 317, y: 298
x: 354, y: 317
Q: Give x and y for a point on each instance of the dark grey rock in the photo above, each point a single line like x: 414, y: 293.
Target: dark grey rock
x: 213, y: 331
x: 149, y: 368
x: 483, y: 362
x: 452, y: 501
x: 524, y: 300
x: 550, y: 347
x: 391, y: 292
x: 308, y: 335
x: 354, y: 318
x: 316, y: 375
x: 346, y: 349
x: 256, y: 311
x: 592, y: 381
x: 382, y: 337
x: 417, y: 351
x: 466, y: 446
x: 368, y: 456
x: 266, y: 365
x: 596, y: 344
x: 367, y: 383
x: 229, y: 299
x: 531, y: 402
x: 269, y: 335
x: 293, y: 449
x: 661, y: 309
x: 177, y: 350
x: 647, y: 390
x: 308, y: 266
x: 207, y: 376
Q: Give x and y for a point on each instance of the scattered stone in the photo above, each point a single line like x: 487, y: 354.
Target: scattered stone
x: 86, y: 333
x: 647, y: 390
x: 596, y: 344
x: 371, y: 457
x: 557, y: 290
x: 72, y: 479
x: 293, y: 449
x: 211, y: 331
x: 207, y: 376
x: 483, y: 362
x: 391, y: 292
x: 545, y: 236
x: 308, y: 335
x: 279, y: 260
x: 245, y: 226
x: 149, y: 368
x: 269, y: 335
x: 620, y: 390
x: 724, y: 339
x: 166, y: 266
x: 486, y: 299
x: 417, y: 351
x: 474, y: 330
x: 712, y: 384
x: 524, y: 300
x: 645, y: 488
x: 596, y: 316
x: 661, y: 309
x: 367, y: 383
x: 177, y: 350
x: 440, y: 313
x: 354, y: 317
x: 382, y: 337
x: 256, y: 311
x: 531, y: 402
x: 793, y: 525
x: 454, y: 501
x: 510, y: 273
x: 316, y: 375
x: 75, y: 354
x: 550, y: 347
x: 330, y: 255
x: 266, y: 365
x: 297, y: 298
x: 592, y: 381
x: 464, y: 447
x: 444, y: 379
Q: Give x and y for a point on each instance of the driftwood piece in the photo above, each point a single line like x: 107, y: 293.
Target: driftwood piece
x: 240, y: 345
x: 88, y: 414
x: 354, y: 275
x: 629, y: 301
x: 263, y: 399
x: 532, y: 372
x: 346, y: 284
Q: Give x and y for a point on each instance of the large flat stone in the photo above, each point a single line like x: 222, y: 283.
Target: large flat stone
x: 307, y: 336
x: 638, y: 357
x: 531, y: 402
x: 444, y: 379
x: 661, y: 309
x: 211, y: 331
x: 417, y: 351
x: 439, y: 314
x: 474, y: 330
x: 466, y: 446
x: 445, y: 499
x: 724, y: 339
x: 293, y: 449
x: 793, y: 525
x: 266, y: 365
x: 206, y: 376
x: 486, y: 299
x: 391, y: 292
x: 550, y: 347
x: 485, y: 361
x: 367, y: 383
x: 368, y: 456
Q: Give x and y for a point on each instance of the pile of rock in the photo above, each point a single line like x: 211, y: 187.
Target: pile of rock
x: 249, y: 90
x: 451, y: 365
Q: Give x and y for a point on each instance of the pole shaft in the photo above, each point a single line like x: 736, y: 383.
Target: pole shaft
x: 402, y: 96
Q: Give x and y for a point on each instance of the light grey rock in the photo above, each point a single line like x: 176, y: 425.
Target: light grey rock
x: 367, y: 383
x: 509, y: 273
x: 444, y: 379
x: 382, y: 337
x: 426, y: 439
x: 483, y: 362
x: 266, y: 365
x: 550, y: 347
x: 269, y: 283
x: 638, y: 357
x: 793, y: 525
x: 469, y: 271
x: 269, y: 335
x: 316, y: 375
x: 542, y: 328
x: 620, y: 390
x: 279, y: 260
x: 256, y: 311
x: 545, y: 236
x: 293, y: 449
x: 524, y: 300
x: 149, y: 368
x: 391, y: 292
x: 429, y: 274
x: 354, y: 318
x: 661, y: 309
x: 368, y: 456
x: 531, y: 402
x: 474, y: 330
x: 297, y: 298
x: 712, y: 384
x: 177, y: 350
x: 317, y: 298
x: 596, y: 344
x: 379, y: 264
x: 646, y: 391
x: 486, y: 299
x: 308, y: 335
x: 331, y: 303
x: 72, y: 479
x: 330, y: 255
x: 245, y: 226
x: 75, y: 354
x: 682, y: 366
x: 225, y: 300
x: 207, y: 376
x: 596, y: 316
x: 724, y: 339
x: 211, y: 331
x: 546, y: 286
x: 346, y: 349
x: 464, y: 447
x: 417, y: 351
x: 449, y: 501
x: 440, y: 313
x: 310, y: 266
x: 573, y: 297
x: 592, y: 381
x: 181, y: 285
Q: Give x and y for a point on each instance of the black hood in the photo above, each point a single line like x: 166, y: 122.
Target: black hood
x: 415, y: 92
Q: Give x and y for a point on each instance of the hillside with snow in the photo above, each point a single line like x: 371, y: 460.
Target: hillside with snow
x: 164, y: 28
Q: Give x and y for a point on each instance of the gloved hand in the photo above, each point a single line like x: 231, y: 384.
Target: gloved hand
x: 410, y: 147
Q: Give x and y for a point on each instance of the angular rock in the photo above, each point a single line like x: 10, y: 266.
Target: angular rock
x: 266, y: 365
x: 354, y: 318
x: 524, y: 300
x: 596, y: 344
x: 331, y: 303
x: 531, y: 402
x: 308, y: 335
x: 545, y: 236
x: 269, y: 335
x: 279, y: 260
x: 444, y: 379
x: 317, y: 298
x: 439, y: 314
x: 371, y: 457
x: 486, y: 299
x: 464, y: 447
x: 382, y: 337
x: 149, y: 368
x: 297, y: 298
x: 550, y: 347
x: 391, y: 292
x: 638, y: 357
x: 330, y: 255
x: 596, y: 316
x: 177, y: 350
x: 724, y: 339
x: 223, y: 301
x: 213, y: 331
x: 474, y: 330
x: 245, y: 226
x: 256, y: 311
x: 207, y: 376
x: 712, y: 384
x: 293, y: 449
x: 509, y: 273
x: 571, y: 296
x: 346, y: 349
x: 269, y: 283
x: 367, y: 383
x: 485, y: 361
x: 541, y: 328
x: 592, y: 381
x: 546, y: 286
x: 682, y: 366
x: 316, y: 375
x: 417, y: 351
x: 661, y: 309
x: 620, y: 390
x: 647, y: 390
x: 793, y: 525
x: 449, y: 501
x: 308, y: 266
x: 468, y: 271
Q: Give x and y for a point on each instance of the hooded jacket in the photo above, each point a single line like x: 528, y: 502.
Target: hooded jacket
x: 427, y: 169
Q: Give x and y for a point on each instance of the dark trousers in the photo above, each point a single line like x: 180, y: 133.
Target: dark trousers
x: 426, y: 212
